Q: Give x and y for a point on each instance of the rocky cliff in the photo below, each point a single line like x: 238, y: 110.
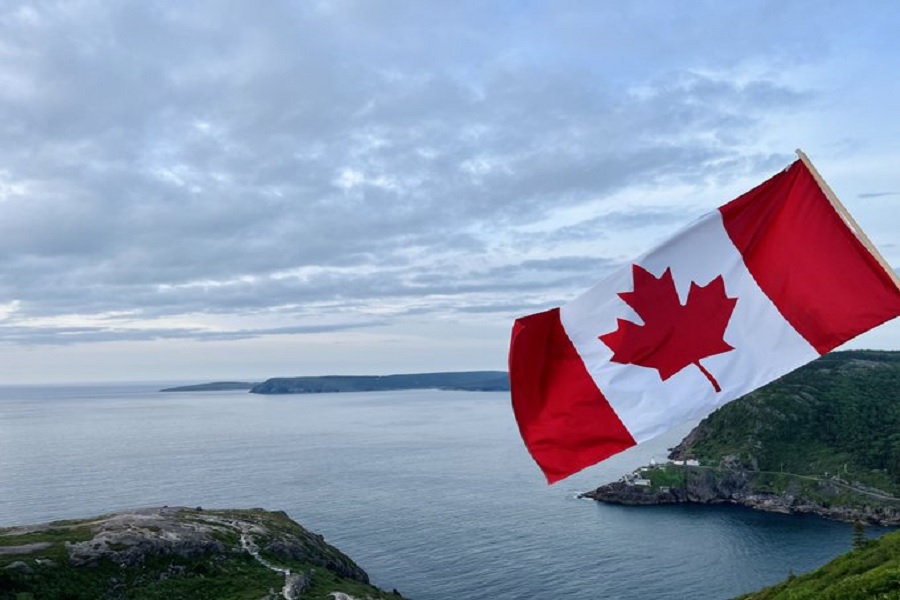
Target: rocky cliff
x: 172, y: 553
x: 772, y: 492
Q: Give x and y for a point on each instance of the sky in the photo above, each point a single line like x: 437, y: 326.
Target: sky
x: 241, y: 190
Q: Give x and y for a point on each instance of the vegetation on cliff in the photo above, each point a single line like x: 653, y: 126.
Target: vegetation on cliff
x: 870, y: 571
x: 835, y: 418
x: 176, y: 553
x: 822, y: 440
x: 761, y: 490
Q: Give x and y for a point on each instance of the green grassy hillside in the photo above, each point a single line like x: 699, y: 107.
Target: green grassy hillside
x: 871, y: 572
x: 176, y: 554
x: 837, y: 417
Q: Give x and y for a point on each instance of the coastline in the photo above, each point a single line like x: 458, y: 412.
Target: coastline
x: 784, y: 493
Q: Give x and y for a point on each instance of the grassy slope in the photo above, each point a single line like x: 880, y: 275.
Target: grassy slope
x: 868, y: 573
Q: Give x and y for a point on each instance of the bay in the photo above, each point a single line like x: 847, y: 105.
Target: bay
x: 431, y: 491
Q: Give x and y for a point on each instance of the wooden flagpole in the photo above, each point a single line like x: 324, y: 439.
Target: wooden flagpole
x: 848, y: 218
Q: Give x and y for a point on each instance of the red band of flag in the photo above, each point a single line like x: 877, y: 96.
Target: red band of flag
x: 563, y: 417
x: 805, y: 258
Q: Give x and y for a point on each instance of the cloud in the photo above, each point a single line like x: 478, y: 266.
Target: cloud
x: 357, y: 160
x: 62, y: 335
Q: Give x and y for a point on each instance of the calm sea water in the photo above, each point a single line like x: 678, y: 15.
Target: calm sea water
x: 431, y: 492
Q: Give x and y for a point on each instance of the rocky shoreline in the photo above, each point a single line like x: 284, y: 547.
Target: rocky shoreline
x: 710, y: 486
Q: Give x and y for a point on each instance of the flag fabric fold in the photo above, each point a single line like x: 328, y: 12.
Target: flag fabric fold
x: 746, y: 294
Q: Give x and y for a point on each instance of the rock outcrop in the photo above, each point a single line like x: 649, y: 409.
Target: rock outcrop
x: 702, y: 485
x: 176, y: 553
x: 821, y: 440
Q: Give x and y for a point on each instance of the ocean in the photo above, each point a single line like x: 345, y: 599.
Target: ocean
x: 431, y: 492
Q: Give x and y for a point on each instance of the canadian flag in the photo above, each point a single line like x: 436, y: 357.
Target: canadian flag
x: 749, y: 292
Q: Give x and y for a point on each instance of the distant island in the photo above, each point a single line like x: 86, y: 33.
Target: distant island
x: 215, y: 386
x: 177, y: 553
x: 823, y: 440
x: 470, y: 381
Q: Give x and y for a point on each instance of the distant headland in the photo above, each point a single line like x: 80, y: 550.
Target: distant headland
x: 215, y: 386
x: 468, y: 381
x: 821, y: 440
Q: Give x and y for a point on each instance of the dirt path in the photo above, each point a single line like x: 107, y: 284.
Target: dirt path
x: 287, y: 592
x: 292, y: 581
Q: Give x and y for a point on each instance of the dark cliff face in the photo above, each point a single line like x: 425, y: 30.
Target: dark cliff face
x: 700, y: 486
x: 755, y: 490
x: 176, y: 553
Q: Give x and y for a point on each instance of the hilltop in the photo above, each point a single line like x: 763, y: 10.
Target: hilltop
x: 177, y: 553
x: 824, y: 439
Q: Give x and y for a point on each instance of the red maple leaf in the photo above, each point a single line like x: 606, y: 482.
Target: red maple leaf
x: 673, y: 335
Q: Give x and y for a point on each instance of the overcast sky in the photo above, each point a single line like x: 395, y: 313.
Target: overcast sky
x: 209, y: 190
